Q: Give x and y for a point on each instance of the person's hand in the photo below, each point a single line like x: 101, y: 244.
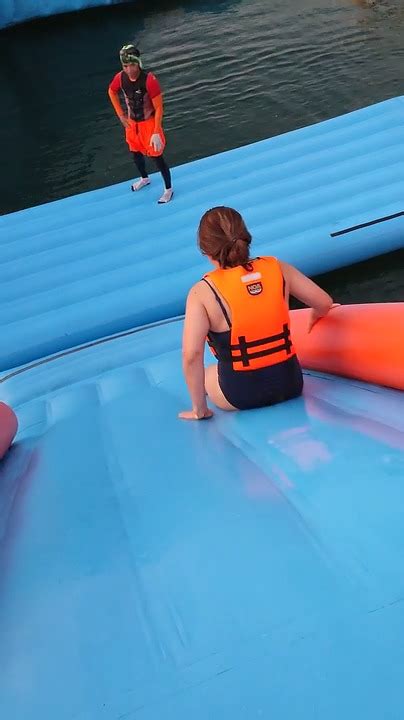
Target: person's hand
x: 124, y: 120
x: 204, y: 414
x: 156, y: 142
x: 315, y: 317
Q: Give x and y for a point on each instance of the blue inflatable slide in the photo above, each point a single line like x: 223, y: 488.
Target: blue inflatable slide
x: 242, y: 568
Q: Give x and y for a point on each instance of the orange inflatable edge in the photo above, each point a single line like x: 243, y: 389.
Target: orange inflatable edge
x: 364, y: 342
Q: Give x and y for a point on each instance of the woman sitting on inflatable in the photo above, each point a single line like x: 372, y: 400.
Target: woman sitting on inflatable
x: 242, y: 309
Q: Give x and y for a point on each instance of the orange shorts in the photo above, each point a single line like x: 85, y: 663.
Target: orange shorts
x: 138, y: 137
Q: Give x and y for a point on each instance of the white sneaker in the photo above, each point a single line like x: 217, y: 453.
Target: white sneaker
x: 166, y: 196
x: 140, y: 184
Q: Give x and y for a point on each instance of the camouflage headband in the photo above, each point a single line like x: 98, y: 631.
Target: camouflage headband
x: 128, y: 56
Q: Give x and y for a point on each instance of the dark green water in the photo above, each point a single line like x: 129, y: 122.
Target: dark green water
x: 233, y: 72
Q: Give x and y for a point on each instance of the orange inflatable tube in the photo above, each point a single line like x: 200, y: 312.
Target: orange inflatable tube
x: 365, y: 342
x: 8, y: 428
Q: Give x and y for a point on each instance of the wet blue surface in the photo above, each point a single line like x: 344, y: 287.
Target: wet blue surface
x: 245, y: 567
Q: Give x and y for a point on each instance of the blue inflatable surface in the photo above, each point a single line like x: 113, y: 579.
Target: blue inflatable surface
x: 16, y: 11
x: 245, y: 567
x: 95, y: 264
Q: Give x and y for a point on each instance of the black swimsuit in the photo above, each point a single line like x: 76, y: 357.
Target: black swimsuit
x: 253, y: 388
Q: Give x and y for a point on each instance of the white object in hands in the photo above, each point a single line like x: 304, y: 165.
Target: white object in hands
x: 156, y: 142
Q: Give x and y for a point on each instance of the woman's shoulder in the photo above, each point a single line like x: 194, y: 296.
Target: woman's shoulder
x: 196, y: 291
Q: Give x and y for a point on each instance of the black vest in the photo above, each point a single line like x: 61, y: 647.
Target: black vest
x: 137, y: 98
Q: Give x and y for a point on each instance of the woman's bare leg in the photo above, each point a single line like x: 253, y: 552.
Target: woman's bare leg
x: 212, y: 388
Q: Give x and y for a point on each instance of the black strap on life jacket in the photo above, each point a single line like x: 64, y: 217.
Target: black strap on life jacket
x: 243, y: 347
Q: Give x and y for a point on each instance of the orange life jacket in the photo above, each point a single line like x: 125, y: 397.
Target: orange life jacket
x: 260, y: 331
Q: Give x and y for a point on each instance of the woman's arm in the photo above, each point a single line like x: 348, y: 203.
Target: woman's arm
x: 196, y: 327
x: 305, y: 290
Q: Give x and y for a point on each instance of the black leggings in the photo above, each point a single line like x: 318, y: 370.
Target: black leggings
x: 161, y: 165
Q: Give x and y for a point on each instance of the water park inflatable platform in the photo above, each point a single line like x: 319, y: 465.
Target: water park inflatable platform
x: 17, y: 11
x: 244, y: 567
x: 102, y: 262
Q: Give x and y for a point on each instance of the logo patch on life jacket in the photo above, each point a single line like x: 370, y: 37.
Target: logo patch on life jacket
x: 255, y: 288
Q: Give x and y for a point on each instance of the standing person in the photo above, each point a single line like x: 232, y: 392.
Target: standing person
x: 142, y: 117
x: 242, y: 308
